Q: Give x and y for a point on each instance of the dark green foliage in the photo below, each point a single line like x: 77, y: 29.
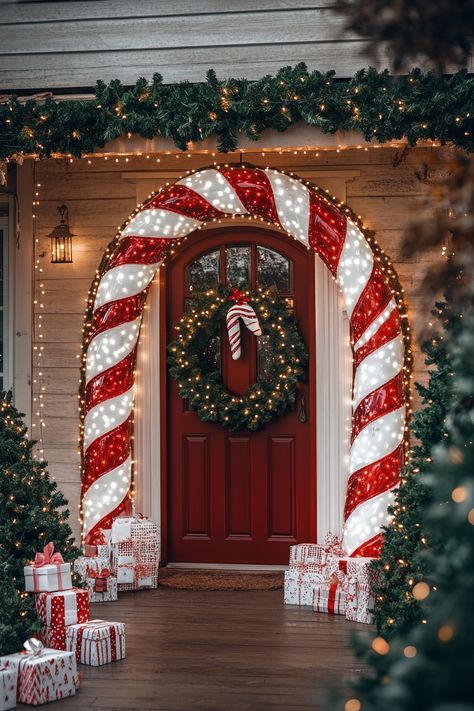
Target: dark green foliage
x: 193, y: 362
x: 398, y: 567
x: 378, y: 106
x: 410, y: 29
x: 32, y: 513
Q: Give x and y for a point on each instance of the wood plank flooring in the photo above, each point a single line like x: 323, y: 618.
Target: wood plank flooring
x: 219, y: 651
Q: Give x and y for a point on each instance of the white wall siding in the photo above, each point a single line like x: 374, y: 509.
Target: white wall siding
x: 54, y: 45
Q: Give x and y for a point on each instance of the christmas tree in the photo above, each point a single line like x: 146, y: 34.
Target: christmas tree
x: 32, y: 513
x: 398, y: 568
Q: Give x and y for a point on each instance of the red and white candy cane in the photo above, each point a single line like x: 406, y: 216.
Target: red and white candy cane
x: 249, y: 317
x: 379, y: 392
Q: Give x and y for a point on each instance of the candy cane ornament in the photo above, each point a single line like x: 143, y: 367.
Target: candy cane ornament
x: 379, y: 345
x: 241, y: 310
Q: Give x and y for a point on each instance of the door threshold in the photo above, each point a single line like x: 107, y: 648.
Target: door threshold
x: 230, y: 566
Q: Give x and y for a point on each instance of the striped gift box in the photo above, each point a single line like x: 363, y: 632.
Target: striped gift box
x: 96, y: 642
x: 329, y: 598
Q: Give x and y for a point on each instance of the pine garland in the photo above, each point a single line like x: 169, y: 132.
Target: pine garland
x: 419, y: 106
x: 199, y: 379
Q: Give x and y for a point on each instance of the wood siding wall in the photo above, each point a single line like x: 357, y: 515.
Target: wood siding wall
x: 101, y: 193
x: 57, y: 45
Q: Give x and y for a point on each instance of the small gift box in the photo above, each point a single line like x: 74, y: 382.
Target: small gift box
x: 97, y: 546
x: 109, y: 592
x: 57, y: 610
x: 101, y: 585
x: 49, y: 572
x: 135, y: 552
x: 44, y: 675
x: 362, y: 604
x: 83, y: 564
x: 360, y: 569
x: 325, y: 555
x: 299, y: 585
x: 97, y: 642
x: 8, y: 685
x: 330, y: 597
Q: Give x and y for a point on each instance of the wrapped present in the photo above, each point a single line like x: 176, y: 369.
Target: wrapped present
x: 362, y: 605
x: 329, y: 598
x: 57, y: 610
x: 135, y: 553
x: 351, y: 598
x: 299, y: 585
x: 101, y: 585
x: 97, y: 642
x: 49, y: 572
x: 325, y: 555
x: 97, y: 546
x: 8, y: 685
x: 83, y: 564
x: 358, y: 568
x: 44, y: 675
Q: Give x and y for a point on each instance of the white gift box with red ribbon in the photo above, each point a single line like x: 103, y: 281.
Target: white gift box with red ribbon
x: 44, y: 674
x: 48, y: 573
x: 108, y: 595
x: 97, y: 642
x: 8, y: 685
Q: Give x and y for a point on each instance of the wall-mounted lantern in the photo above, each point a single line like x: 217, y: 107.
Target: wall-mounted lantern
x: 61, y: 239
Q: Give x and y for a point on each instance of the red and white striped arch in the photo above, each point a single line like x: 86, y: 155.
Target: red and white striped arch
x: 379, y: 392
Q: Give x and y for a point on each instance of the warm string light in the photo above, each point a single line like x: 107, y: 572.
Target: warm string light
x: 39, y: 425
x: 291, y: 215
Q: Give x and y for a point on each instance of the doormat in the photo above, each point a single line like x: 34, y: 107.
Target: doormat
x: 200, y: 579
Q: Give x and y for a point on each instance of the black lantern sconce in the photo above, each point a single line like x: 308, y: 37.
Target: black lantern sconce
x: 61, y: 239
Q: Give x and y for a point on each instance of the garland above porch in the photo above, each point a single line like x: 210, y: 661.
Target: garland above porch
x: 381, y: 107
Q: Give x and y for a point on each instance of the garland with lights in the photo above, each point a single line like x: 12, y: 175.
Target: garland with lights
x: 419, y: 106
x: 199, y: 380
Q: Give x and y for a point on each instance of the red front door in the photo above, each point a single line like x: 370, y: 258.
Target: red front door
x: 240, y: 497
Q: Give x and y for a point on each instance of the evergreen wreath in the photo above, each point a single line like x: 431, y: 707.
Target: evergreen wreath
x: 198, y: 375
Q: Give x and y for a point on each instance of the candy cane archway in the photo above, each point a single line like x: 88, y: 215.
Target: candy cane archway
x: 372, y: 297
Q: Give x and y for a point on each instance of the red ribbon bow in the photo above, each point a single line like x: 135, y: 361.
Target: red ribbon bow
x: 238, y: 296
x: 48, y: 556
x: 101, y: 578
x: 98, y: 539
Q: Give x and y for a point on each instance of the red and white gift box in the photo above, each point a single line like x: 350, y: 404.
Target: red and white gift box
x: 8, y: 685
x: 101, y: 586
x: 97, y: 642
x: 330, y: 598
x: 48, y: 675
x: 300, y: 584
x: 48, y: 578
x: 362, y: 603
x: 58, y: 610
x: 325, y: 555
x: 83, y: 564
x: 49, y: 572
x: 135, y: 547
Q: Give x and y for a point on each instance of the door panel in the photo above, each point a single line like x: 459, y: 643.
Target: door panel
x: 239, y: 497
x: 238, y: 494
x: 281, y: 486
x: 196, y: 490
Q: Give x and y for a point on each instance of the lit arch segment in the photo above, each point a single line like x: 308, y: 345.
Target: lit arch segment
x: 379, y: 345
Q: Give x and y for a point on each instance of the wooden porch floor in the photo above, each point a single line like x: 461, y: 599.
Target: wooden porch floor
x: 218, y: 651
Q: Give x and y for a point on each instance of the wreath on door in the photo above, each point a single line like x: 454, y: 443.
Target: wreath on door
x: 193, y: 359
